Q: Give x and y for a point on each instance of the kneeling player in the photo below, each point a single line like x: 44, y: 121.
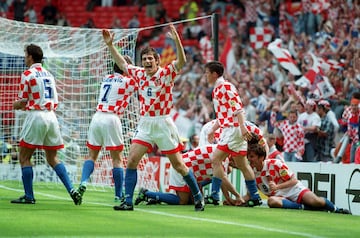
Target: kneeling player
x: 199, y: 161
x: 279, y: 184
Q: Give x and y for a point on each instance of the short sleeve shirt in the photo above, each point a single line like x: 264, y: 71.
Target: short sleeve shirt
x: 155, y: 92
x: 38, y: 86
x: 115, y: 93
x: 227, y: 103
x: 273, y: 170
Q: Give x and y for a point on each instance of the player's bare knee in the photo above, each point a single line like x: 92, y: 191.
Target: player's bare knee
x: 274, y: 202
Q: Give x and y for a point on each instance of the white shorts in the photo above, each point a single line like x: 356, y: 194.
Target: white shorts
x: 41, y: 130
x: 232, y: 141
x: 105, y: 130
x: 177, y: 182
x: 160, y: 130
x: 294, y: 193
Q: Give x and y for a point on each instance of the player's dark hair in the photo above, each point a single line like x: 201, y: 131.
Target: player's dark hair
x: 116, y: 67
x: 258, y: 149
x: 150, y: 51
x: 254, y: 139
x: 356, y: 95
x: 215, y: 66
x: 35, y: 51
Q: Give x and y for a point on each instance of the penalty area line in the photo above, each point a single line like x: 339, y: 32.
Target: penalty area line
x: 302, y: 234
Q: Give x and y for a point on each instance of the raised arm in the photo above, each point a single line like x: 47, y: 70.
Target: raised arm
x: 119, y: 59
x: 180, y: 53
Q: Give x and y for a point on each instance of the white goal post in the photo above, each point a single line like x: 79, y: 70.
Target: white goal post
x: 78, y: 58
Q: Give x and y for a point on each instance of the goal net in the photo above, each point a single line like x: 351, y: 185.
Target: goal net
x: 79, y: 59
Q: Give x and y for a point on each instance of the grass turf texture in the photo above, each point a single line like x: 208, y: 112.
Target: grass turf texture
x: 55, y: 215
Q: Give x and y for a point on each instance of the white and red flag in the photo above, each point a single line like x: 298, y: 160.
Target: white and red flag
x: 284, y: 57
x: 318, y: 6
x: 206, y: 48
x: 316, y: 81
x: 227, y: 57
x: 260, y: 37
x: 329, y: 64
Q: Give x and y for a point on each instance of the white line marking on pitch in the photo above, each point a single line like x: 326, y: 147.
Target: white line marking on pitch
x: 186, y: 217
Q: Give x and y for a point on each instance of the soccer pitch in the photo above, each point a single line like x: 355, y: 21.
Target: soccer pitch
x: 55, y: 215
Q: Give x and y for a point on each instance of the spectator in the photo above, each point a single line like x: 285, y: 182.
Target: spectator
x: 161, y: 15
x: 31, y: 14
x: 219, y: 4
x: 19, y: 7
x: 89, y: 24
x: 151, y: 6
x: 250, y: 110
x: 274, y: 153
x: 91, y: 4
x: 293, y: 134
x: 271, y: 115
x: 61, y: 19
x: 326, y: 134
x: 134, y: 22
x: 353, y: 127
x: 310, y: 121
x: 106, y: 3
x: 4, y: 7
x: 259, y: 100
x: 194, y: 141
x: 189, y: 10
x: 116, y: 24
x: 49, y: 12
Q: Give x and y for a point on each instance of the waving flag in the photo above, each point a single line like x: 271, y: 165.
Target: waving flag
x: 319, y: 6
x: 206, y: 48
x: 316, y: 81
x: 167, y: 55
x: 330, y: 64
x: 227, y: 57
x: 260, y: 37
x: 284, y: 57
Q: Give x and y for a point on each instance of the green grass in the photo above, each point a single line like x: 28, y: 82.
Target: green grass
x: 55, y: 215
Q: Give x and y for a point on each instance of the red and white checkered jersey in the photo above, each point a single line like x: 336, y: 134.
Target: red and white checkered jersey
x: 115, y: 93
x: 155, y: 92
x: 38, y: 87
x: 226, y: 103
x: 273, y: 170
x: 346, y: 113
x: 353, y: 127
x: 293, y: 136
x: 252, y: 128
x: 199, y: 161
x: 306, y: 5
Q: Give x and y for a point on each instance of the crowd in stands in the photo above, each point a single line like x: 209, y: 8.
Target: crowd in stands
x: 310, y: 30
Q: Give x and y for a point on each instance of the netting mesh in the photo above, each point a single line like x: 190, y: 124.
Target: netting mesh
x: 78, y: 58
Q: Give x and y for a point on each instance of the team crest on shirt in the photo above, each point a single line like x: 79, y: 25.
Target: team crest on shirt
x: 283, y: 172
x: 232, y: 103
x: 157, y: 82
